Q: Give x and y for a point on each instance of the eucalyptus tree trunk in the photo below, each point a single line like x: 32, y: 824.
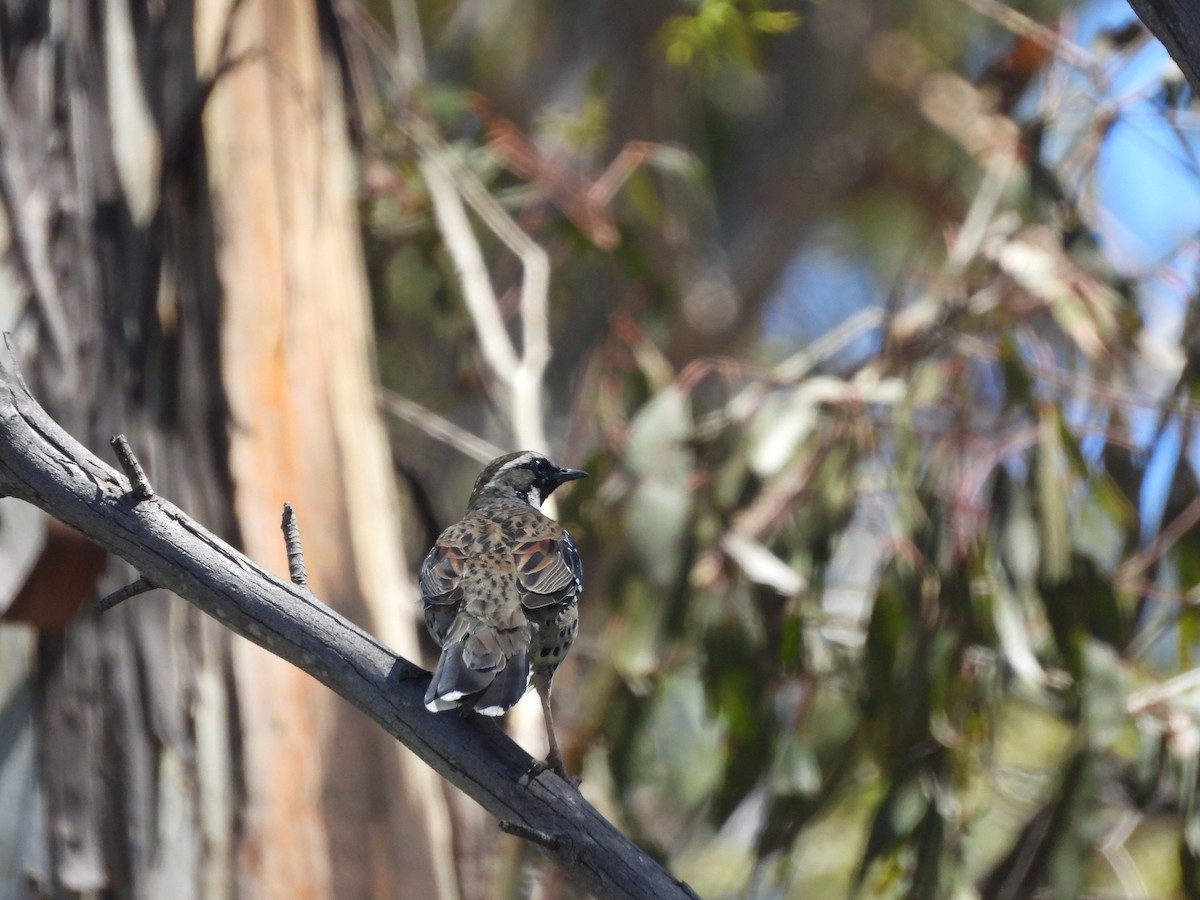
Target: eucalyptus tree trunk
x: 183, y: 266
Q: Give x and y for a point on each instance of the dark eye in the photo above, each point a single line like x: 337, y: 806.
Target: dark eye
x: 538, y: 467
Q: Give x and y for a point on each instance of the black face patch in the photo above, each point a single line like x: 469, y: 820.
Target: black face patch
x: 525, y: 476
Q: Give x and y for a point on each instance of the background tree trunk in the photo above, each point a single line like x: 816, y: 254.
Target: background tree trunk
x: 185, y: 268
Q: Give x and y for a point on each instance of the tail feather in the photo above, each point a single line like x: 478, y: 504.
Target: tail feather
x: 453, y: 679
x: 492, y: 684
x: 507, y: 688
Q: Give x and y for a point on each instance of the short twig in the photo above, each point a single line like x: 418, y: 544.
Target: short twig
x: 1023, y: 26
x: 534, y: 835
x: 295, y: 553
x: 107, y: 602
x: 132, y: 468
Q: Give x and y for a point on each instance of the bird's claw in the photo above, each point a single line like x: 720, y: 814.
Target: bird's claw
x: 539, y: 766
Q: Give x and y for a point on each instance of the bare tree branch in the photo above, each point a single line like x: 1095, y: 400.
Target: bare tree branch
x: 43, y: 465
x: 465, y: 442
x: 1177, y: 24
x: 452, y: 187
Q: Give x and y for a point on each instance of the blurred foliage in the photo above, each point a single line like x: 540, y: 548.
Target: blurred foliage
x: 882, y: 612
x: 723, y: 31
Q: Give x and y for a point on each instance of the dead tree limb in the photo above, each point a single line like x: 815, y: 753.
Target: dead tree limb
x: 1177, y: 24
x: 43, y: 465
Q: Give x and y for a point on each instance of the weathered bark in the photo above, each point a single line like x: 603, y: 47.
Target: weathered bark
x: 41, y: 464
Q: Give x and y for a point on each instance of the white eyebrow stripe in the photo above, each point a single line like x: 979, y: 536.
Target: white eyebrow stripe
x: 514, y: 463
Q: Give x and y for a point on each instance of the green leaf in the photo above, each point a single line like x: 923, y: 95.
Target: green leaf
x: 786, y: 419
x: 791, y: 643
x: 771, y: 21
x: 1189, y: 874
x: 1082, y: 605
x: 735, y: 679
x: 1052, y: 850
x: 681, y: 748
x: 659, y: 505
x: 1017, y: 379
x: 1052, y: 497
x: 904, y: 807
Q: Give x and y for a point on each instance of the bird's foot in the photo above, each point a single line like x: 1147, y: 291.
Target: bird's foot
x: 554, y: 765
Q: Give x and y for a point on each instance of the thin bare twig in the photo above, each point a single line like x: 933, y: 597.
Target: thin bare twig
x: 410, y: 54
x: 107, y: 602
x: 436, y: 426
x: 297, y: 571
x: 1179, y: 685
x: 1023, y: 26
x: 138, y: 481
x: 533, y: 835
x: 1163, y: 541
x: 791, y: 371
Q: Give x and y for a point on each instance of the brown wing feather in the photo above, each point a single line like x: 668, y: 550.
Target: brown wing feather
x: 441, y: 573
x: 548, y: 571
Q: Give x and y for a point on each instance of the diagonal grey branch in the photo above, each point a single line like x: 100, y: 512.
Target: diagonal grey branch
x: 43, y: 465
x: 1177, y: 24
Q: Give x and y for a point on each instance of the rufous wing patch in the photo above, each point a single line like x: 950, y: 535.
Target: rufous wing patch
x: 547, y: 570
x: 441, y: 573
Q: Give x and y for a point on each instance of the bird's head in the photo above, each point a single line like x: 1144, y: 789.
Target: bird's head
x: 525, y: 476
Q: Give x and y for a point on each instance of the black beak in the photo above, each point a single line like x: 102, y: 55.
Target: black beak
x: 561, y: 476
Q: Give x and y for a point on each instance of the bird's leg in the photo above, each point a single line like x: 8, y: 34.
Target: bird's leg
x: 554, y: 758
